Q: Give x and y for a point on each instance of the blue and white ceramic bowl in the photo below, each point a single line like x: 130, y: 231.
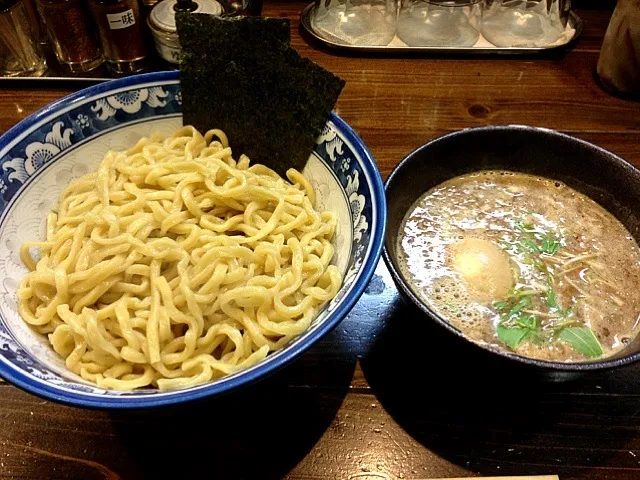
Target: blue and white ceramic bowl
x: 49, y: 149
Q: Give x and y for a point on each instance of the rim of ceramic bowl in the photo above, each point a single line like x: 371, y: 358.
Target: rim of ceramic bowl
x: 433, y: 315
x: 46, y: 390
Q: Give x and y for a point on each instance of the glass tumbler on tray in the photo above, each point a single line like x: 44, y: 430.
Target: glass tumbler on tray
x: 440, y: 23
x: 356, y: 22
x: 524, y: 23
x: 20, y: 52
x: 71, y: 32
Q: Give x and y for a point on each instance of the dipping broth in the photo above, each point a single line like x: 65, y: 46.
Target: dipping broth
x: 525, y: 264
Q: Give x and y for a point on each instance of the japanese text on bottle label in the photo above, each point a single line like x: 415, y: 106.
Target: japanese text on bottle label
x: 121, y: 20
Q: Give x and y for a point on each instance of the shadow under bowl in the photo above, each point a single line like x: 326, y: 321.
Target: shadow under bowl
x: 606, y: 178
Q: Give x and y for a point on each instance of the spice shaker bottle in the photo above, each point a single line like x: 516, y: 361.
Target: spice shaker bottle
x: 145, y: 10
x: 70, y: 30
x: 619, y: 61
x: 19, y: 48
x: 36, y: 19
x: 162, y: 22
x: 147, y: 6
x: 120, y: 29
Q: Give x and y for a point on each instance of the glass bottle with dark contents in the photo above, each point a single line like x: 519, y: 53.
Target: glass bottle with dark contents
x: 36, y: 21
x: 122, y: 37
x: 145, y: 10
x: 71, y: 32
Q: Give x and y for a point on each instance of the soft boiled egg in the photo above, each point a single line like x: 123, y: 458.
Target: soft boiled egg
x: 483, y: 266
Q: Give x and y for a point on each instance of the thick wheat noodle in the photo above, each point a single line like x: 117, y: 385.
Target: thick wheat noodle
x: 174, y: 264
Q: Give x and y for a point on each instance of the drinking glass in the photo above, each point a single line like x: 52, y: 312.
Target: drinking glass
x: 356, y: 22
x: 440, y: 23
x: 524, y: 23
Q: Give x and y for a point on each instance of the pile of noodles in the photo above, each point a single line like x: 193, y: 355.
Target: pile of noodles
x: 175, y: 264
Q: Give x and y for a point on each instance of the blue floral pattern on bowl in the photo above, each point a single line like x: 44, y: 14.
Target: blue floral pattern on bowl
x: 43, y: 139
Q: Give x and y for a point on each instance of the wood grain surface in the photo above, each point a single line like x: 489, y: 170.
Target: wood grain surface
x: 386, y: 395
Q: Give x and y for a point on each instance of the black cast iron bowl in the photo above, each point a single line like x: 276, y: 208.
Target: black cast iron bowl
x: 606, y: 178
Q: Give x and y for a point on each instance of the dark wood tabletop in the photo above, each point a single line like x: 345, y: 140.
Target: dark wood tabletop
x: 386, y: 395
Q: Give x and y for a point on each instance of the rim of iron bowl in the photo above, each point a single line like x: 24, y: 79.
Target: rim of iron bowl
x: 626, y: 170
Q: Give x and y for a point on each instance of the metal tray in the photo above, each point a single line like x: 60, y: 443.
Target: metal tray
x: 305, y: 21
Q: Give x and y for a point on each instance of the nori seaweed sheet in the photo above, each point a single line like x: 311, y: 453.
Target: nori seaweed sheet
x: 238, y: 75
x: 250, y: 29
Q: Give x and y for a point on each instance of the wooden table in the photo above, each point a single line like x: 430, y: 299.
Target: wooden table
x: 385, y: 396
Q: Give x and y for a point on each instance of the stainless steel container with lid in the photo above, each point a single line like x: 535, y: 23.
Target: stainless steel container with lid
x: 162, y: 22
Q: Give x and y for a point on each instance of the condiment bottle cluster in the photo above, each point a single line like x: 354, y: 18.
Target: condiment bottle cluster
x: 84, y: 34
